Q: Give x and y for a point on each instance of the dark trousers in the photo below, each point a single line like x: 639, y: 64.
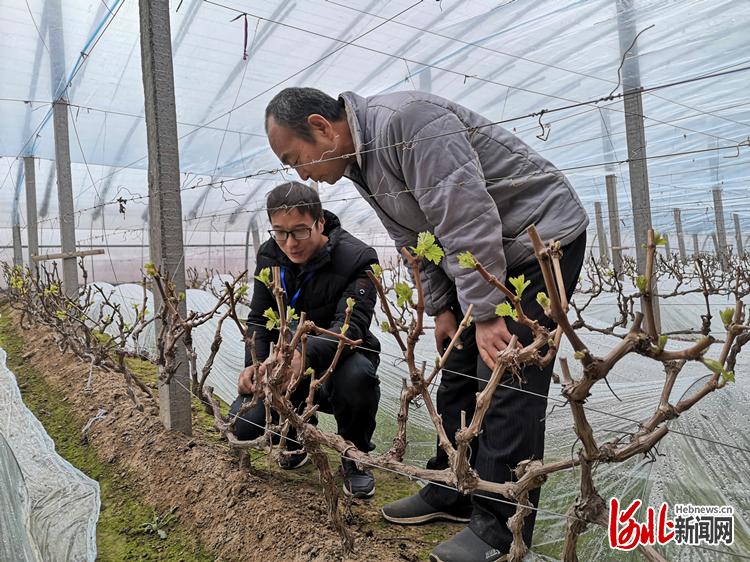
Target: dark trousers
x: 351, y: 394
x: 513, y: 428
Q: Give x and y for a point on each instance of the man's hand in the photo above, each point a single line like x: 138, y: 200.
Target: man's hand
x: 492, y: 337
x: 445, y: 329
x: 250, y: 383
x: 246, y: 384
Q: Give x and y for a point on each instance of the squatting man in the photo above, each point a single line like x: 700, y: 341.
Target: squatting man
x: 424, y: 163
x: 321, y: 265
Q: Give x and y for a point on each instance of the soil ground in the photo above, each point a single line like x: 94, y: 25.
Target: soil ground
x: 220, y: 510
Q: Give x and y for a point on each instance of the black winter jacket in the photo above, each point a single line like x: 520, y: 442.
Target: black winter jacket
x: 337, y: 271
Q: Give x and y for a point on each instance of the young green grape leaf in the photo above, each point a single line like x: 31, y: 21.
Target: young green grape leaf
x: 519, y: 284
x: 662, y: 342
x: 726, y: 316
x: 428, y: 248
x: 506, y: 309
x: 466, y: 260
x: 150, y: 269
x: 350, y: 303
x: 543, y: 300
x: 714, y: 365
x: 264, y: 276
x: 641, y: 283
x: 377, y: 270
x: 403, y: 293
x: 344, y: 329
x: 272, y: 321
x: 385, y: 327
x: 291, y: 314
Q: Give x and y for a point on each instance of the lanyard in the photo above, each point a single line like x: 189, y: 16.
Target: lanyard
x: 307, y: 277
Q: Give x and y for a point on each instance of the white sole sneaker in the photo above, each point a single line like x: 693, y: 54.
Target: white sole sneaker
x: 359, y: 495
x: 426, y: 518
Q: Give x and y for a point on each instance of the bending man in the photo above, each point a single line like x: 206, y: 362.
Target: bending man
x: 425, y: 163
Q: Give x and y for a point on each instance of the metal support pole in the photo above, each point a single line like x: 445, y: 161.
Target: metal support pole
x: 667, y: 247
x: 738, y: 234
x: 614, y: 223
x: 601, y: 234
x: 165, y: 205
x: 65, y: 196
x: 636, y: 139
x: 680, y: 234
x: 717, y: 247
x: 32, y: 227
x: 721, y: 231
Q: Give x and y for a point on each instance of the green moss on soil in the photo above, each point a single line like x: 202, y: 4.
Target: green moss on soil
x: 121, y: 532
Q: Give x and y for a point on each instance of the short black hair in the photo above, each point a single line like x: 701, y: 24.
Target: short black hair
x: 292, y: 106
x: 294, y: 195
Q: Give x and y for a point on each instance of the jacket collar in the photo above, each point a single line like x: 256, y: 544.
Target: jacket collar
x: 355, y: 107
x: 331, y: 228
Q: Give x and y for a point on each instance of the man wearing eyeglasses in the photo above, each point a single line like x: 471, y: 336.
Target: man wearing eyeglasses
x: 321, y: 265
x: 426, y: 163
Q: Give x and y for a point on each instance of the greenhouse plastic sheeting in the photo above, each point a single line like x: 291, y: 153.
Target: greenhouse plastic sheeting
x: 49, y: 507
x: 15, y: 541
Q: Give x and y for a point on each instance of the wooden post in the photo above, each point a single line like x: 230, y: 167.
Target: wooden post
x: 667, y: 248
x: 614, y: 223
x: 721, y: 231
x: 680, y: 234
x: 32, y: 226
x: 738, y: 234
x: 165, y: 205
x: 65, y: 197
x: 17, y: 247
x: 601, y: 234
x: 252, y: 229
x: 636, y: 140
x: 425, y: 80
x: 696, y: 246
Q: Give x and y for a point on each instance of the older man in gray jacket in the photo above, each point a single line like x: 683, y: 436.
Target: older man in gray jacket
x: 425, y: 163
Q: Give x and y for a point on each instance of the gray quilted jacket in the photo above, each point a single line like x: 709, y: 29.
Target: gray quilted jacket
x: 476, y: 190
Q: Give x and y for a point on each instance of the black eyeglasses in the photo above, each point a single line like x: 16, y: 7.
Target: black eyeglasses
x: 298, y: 233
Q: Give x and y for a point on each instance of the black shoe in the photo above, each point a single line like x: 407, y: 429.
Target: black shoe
x: 414, y: 510
x: 466, y: 546
x: 357, y: 483
x: 294, y: 459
